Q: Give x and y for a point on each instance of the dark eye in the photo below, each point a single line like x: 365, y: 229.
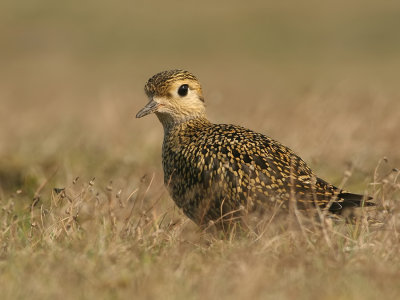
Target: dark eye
x: 183, y: 90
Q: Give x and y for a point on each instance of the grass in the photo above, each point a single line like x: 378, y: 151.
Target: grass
x: 83, y: 210
x: 100, y: 242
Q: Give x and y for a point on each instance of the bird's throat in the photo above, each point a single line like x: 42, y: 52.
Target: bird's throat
x: 172, y: 123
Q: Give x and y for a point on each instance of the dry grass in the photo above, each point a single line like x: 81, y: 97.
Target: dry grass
x: 99, y: 242
x: 320, y: 78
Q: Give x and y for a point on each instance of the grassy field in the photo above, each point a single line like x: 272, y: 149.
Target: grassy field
x: 83, y: 211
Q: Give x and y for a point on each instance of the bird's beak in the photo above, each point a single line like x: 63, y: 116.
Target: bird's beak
x: 148, y: 109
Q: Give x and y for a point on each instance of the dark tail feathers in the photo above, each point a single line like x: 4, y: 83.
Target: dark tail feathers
x: 345, y: 200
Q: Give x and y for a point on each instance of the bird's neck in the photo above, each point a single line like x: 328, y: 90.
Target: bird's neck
x: 172, y: 124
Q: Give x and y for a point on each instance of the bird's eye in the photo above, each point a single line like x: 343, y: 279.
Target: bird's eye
x: 183, y: 90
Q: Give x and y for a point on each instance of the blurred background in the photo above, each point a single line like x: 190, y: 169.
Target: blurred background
x: 322, y: 77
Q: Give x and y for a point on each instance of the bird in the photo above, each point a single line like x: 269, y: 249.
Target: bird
x: 220, y: 172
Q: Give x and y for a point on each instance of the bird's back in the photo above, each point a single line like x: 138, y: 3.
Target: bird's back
x: 215, y: 171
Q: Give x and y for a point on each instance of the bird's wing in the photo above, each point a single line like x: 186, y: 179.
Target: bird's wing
x: 250, y: 163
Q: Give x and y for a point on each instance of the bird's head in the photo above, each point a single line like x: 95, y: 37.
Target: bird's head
x: 174, y: 96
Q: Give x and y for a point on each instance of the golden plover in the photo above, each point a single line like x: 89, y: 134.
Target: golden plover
x: 217, y: 172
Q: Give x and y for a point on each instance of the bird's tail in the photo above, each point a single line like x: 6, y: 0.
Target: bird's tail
x: 354, y: 200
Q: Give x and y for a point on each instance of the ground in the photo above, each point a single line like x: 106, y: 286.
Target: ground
x: 84, y: 213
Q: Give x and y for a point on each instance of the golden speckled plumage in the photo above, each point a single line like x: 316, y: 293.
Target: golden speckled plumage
x: 220, y: 171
